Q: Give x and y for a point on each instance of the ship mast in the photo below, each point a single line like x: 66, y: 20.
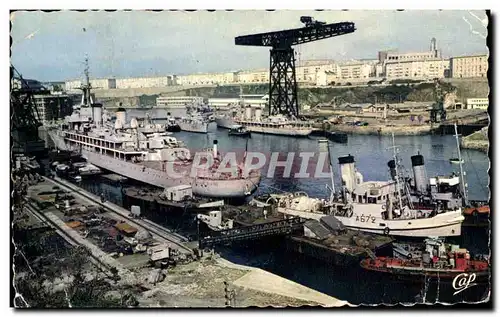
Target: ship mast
x: 86, y: 86
x: 462, y: 180
x: 332, y: 192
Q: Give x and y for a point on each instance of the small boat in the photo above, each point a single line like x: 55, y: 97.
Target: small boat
x: 171, y: 125
x: 239, y: 130
x: 436, y: 260
x: 62, y: 167
x: 322, y: 141
x: 337, y: 137
x: 75, y: 177
x: 88, y: 169
x: 456, y: 161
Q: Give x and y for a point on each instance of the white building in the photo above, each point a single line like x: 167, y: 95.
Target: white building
x: 356, y: 71
x: 253, y: 76
x: 469, y: 66
x: 145, y: 82
x: 105, y: 83
x: 178, y: 101
x: 224, y: 103
x: 436, y: 68
x: 307, y: 72
x: 207, y: 78
x: 478, y: 103
x: 52, y: 107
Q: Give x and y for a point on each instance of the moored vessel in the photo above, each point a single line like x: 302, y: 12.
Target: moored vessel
x: 194, y: 122
x: 239, y: 130
x: 384, y: 207
x: 436, y: 260
x: 254, y: 121
x: 157, y: 158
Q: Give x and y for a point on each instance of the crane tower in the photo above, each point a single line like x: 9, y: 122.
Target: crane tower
x: 282, y: 80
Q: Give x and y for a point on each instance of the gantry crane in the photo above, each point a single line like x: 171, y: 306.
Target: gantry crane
x: 282, y: 80
x: 24, y: 120
x: 438, y: 111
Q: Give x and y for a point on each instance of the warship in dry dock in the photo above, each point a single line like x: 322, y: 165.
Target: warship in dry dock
x: 156, y: 159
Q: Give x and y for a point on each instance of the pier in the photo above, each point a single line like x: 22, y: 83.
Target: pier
x: 253, y: 232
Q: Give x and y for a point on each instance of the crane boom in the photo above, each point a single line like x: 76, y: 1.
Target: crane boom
x: 282, y: 80
x: 296, y: 36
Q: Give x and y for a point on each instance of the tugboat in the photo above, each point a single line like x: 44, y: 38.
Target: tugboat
x: 171, y: 125
x: 239, y: 130
x: 383, y: 207
x: 436, y: 260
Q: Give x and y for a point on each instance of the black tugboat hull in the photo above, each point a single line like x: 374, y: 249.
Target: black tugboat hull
x: 337, y: 137
x: 242, y: 134
x: 173, y: 128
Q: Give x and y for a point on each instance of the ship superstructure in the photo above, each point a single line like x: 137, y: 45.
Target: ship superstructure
x: 385, y: 207
x: 194, y: 121
x: 154, y: 158
x: 252, y: 118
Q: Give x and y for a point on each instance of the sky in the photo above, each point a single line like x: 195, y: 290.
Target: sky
x: 51, y: 46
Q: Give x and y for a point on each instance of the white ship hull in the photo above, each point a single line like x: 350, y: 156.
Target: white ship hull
x: 278, y: 131
x: 447, y: 224
x: 233, y: 188
x: 197, y: 128
x: 443, y: 225
x: 225, y: 123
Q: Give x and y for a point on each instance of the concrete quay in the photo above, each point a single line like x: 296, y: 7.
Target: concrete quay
x: 477, y: 141
x: 263, y: 281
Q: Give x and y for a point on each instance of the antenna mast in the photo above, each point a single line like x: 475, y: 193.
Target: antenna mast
x: 397, y: 174
x: 462, y: 180
x: 332, y: 193
x: 86, y: 86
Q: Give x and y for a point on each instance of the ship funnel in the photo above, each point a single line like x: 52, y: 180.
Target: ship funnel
x: 248, y: 113
x: 133, y: 123
x: 97, y: 114
x: 392, y: 169
x: 348, y: 172
x: 258, y: 114
x: 419, y: 172
x: 215, y: 148
x: 121, y: 115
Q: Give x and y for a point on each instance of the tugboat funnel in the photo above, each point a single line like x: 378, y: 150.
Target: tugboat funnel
x: 215, y: 148
x: 419, y: 173
x: 392, y: 169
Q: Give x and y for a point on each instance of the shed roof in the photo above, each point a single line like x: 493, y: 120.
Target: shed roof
x: 331, y: 223
x: 125, y: 227
x: 74, y: 224
x: 317, y: 228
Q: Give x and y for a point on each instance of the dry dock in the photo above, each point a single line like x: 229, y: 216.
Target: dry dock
x: 199, y: 282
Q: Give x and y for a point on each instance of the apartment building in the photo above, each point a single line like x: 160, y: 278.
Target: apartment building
x: 436, y: 68
x: 355, y: 71
x: 469, y: 66
x: 253, y: 76
x: 145, y: 82
x: 52, y: 107
x: 207, y: 78
x: 478, y: 103
x: 178, y: 101
x: 107, y: 83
